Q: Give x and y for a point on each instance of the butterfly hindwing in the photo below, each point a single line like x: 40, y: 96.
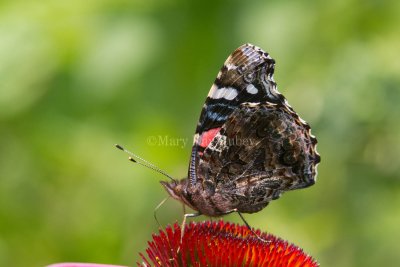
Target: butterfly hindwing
x: 260, y: 151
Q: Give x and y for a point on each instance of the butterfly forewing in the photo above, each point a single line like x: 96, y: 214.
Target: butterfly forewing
x: 237, y: 83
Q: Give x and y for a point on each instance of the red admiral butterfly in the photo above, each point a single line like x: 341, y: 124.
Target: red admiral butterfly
x: 250, y: 146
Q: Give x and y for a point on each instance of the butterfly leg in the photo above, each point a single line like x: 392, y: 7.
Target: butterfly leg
x: 185, y: 216
x: 247, y: 224
x: 156, y: 209
x: 251, y: 229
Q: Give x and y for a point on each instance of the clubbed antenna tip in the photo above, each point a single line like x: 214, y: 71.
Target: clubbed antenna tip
x: 143, y: 162
x: 119, y: 147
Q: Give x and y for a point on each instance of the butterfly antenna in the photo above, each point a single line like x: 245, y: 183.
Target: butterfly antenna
x: 136, y: 159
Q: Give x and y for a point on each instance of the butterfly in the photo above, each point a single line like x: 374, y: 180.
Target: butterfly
x: 250, y: 146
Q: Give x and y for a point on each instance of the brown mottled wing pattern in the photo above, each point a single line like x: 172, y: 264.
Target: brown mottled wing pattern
x: 261, y: 151
x: 246, y: 76
x: 250, y: 146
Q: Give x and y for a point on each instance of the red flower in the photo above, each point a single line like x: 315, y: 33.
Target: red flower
x: 78, y: 264
x: 222, y: 244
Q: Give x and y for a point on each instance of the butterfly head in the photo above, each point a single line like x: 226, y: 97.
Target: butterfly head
x: 178, y: 190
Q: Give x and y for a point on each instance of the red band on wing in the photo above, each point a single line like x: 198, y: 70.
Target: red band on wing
x: 206, y: 137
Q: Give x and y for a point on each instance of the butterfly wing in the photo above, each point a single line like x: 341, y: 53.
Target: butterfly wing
x: 246, y: 76
x: 261, y: 151
x: 250, y: 145
x: 236, y: 83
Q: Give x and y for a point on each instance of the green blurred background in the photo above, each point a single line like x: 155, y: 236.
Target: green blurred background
x: 78, y: 76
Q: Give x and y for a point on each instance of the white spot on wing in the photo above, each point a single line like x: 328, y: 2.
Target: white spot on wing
x: 219, y: 141
x: 252, y: 104
x: 212, y: 90
x: 230, y: 66
x: 251, y: 89
x: 196, y: 139
x: 302, y: 121
x: 229, y: 93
